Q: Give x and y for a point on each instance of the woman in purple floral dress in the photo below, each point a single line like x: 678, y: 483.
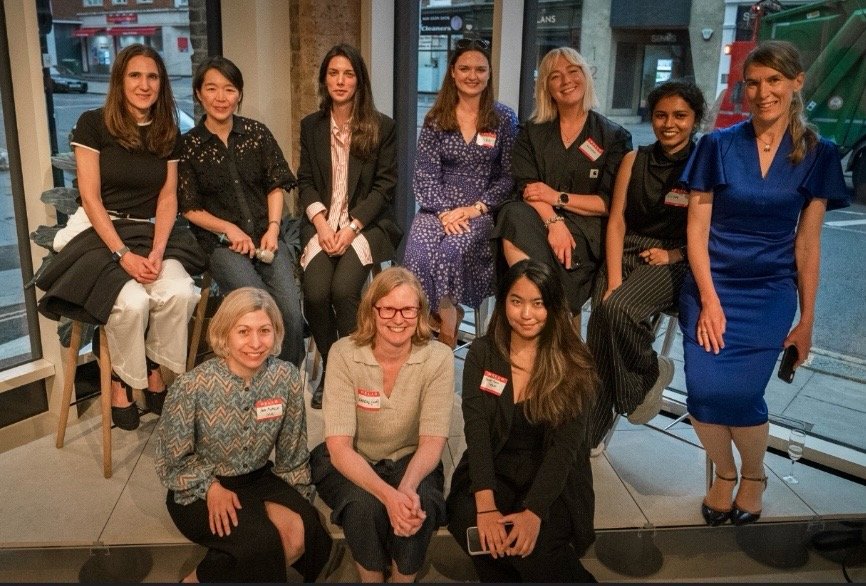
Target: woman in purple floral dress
x: 462, y: 174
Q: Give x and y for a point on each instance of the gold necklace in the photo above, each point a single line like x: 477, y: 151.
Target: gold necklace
x: 767, y: 145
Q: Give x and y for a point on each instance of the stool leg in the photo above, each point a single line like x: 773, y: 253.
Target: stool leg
x: 68, y: 381
x: 105, y: 387
x: 670, y: 335
x: 198, y: 322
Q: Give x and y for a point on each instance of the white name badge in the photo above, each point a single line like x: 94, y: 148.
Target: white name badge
x: 486, y: 139
x: 591, y: 149
x: 368, y: 400
x: 268, y: 409
x: 493, y: 383
x: 677, y: 197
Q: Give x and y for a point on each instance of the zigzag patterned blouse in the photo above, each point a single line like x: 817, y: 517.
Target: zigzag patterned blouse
x: 212, y: 426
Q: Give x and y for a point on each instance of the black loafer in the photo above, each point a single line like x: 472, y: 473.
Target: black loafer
x: 125, y: 418
x: 318, y: 394
x: 154, y: 401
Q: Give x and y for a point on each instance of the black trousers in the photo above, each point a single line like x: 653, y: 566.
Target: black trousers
x: 332, y: 291
x: 253, y: 551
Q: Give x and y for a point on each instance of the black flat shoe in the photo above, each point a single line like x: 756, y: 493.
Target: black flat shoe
x: 714, y: 517
x: 740, y: 516
x: 126, y: 418
x: 154, y: 400
x: 318, y: 394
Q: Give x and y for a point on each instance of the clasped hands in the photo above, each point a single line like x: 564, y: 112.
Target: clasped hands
x: 456, y: 221
x: 519, y: 540
x: 144, y: 270
x: 335, y: 243
x: 404, y: 511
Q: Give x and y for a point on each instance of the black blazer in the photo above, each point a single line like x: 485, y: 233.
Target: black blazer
x: 370, y: 186
x: 565, y: 469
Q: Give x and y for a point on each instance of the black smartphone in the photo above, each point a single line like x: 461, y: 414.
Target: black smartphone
x: 786, y: 367
x: 473, y: 540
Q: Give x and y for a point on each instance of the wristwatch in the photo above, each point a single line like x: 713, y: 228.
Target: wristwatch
x: 354, y: 227
x: 563, y: 200
x: 118, y: 254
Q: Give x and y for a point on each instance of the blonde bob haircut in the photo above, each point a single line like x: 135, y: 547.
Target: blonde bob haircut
x: 382, y: 285
x: 545, y: 107
x: 237, y: 304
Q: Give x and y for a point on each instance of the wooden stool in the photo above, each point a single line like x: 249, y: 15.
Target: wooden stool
x: 198, y: 319
x: 104, y: 387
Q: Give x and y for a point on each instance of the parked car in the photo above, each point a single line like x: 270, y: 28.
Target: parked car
x: 64, y: 81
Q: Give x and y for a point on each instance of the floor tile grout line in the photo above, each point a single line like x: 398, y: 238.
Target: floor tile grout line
x: 627, y: 489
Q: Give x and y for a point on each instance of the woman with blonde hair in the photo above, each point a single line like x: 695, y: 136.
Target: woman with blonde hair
x: 387, y: 410
x: 221, y: 421
x: 462, y: 176
x: 758, y: 193
x: 564, y: 164
x: 528, y: 387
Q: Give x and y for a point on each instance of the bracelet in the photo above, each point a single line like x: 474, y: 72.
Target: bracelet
x: 479, y: 205
x: 488, y: 511
x: 277, y: 222
x: 553, y: 220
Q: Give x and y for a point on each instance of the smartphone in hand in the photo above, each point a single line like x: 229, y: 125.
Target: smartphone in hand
x: 473, y: 540
x: 786, y: 367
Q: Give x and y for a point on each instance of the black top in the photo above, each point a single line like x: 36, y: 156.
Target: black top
x: 205, y: 178
x: 130, y: 180
x: 564, y: 470
x: 653, y: 176
x: 588, y: 166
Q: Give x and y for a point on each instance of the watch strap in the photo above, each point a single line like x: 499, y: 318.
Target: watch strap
x: 118, y: 254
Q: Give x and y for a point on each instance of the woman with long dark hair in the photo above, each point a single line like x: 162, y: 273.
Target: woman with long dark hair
x: 645, y: 261
x: 462, y: 176
x: 528, y: 386
x: 346, y: 180
x: 119, y: 262
x: 232, y: 178
x: 758, y: 193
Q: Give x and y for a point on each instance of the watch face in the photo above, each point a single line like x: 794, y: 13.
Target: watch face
x: 563, y: 198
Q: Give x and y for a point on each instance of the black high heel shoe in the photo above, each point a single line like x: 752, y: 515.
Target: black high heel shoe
x: 125, y: 418
x: 154, y: 399
x: 740, y: 516
x: 714, y: 517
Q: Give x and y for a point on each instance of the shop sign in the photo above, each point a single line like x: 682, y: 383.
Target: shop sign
x: 666, y: 38
x: 432, y: 24
x: 122, y: 18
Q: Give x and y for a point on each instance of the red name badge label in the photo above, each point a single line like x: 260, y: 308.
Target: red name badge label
x: 268, y: 409
x: 677, y: 197
x: 368, y: 400
x: 486, y: 139
x: 591, y: 149
x: 493, y: 383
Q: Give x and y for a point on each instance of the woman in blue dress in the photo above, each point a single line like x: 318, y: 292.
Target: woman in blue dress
x: 758, y: 193
x: 462, y: 175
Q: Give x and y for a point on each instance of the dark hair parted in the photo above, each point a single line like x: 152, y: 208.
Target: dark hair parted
x: 162, y: 133
x: 785, y: 58
x: 563, y: 381
x: 443, y: 114
x: 688, y: 91
x: 365, y: 120
x: 225, y: 67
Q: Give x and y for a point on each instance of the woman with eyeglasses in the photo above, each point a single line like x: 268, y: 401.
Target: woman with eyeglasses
x: 564, y: 164
x: 462, y: 176
x: 525, y: 479
x: 387, y: 410
x: 346, y: 182
x: 120, y: 263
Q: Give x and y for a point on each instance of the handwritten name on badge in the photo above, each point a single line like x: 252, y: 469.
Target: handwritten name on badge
x: 486, y: 139
x: 368, y: 400
x: 677, y: 197
x: 493, y: 383
x: 591, y: 149
x: 268, y: 409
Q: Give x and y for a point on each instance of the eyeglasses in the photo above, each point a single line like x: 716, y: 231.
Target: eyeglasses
x: 465, y: 43
x: 410, y: 312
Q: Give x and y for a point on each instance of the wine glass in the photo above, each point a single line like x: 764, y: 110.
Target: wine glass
x: 796, y: 441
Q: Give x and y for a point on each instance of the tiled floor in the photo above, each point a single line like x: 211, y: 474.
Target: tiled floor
x: 60, y: 517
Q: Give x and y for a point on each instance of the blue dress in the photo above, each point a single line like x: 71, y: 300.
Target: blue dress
x: 450, y: 173
x: 751, y: 249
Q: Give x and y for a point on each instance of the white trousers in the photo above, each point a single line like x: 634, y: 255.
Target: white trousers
x: 151, y: 320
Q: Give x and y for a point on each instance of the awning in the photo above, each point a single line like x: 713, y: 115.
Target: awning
x: 87, y: 31
x: 144, y: 31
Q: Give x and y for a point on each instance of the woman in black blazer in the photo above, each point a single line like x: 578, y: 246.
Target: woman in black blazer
x: 528, y: 386
x: 346, y: 181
